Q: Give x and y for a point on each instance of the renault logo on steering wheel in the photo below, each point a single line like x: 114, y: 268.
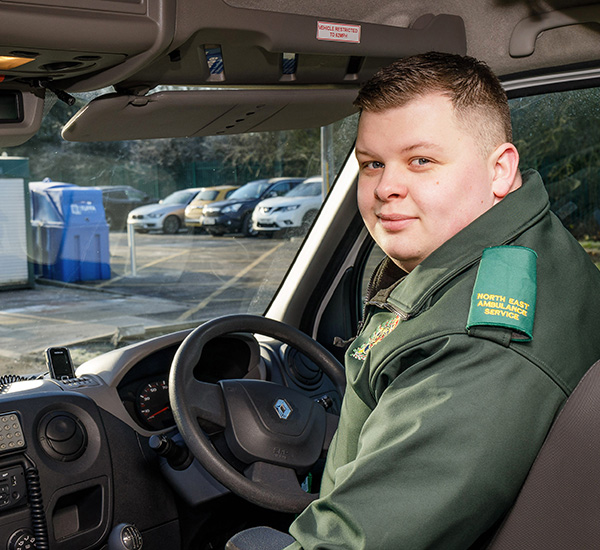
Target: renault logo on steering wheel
x: 283, y: 409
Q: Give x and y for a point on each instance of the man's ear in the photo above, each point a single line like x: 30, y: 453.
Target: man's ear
x: 505, y: 171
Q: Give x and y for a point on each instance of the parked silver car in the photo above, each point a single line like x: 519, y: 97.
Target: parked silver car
x: 166, y: 216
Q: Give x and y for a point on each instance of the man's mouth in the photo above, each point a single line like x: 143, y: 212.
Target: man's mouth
x: 395, y: 222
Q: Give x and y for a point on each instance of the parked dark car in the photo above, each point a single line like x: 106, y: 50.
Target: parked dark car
x: 234, y: 215
x: 119, y: 200
x: 208, y: 195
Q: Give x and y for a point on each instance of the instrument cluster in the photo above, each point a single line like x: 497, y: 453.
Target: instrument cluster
x: 144, y: 390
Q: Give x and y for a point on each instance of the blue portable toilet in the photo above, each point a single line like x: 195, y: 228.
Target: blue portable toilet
x: 70, y: 233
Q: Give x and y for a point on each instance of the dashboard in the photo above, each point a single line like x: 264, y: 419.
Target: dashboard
x: 79, y: 448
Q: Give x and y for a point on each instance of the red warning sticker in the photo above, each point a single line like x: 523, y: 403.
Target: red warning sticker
x: 338, y: 32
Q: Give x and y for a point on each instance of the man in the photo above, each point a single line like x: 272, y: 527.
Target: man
x: 477, y: 326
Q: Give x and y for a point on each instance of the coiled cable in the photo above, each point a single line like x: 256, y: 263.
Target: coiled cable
x: 8, y: 379
x: 36, y: 503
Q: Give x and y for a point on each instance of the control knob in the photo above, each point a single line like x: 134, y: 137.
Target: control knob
x: 125, y: 536
x: 21, y: 539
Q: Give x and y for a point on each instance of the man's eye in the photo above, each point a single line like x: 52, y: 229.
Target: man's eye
x: 420, y: 162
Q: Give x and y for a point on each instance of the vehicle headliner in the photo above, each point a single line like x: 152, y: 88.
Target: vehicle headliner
x: 137, y: 46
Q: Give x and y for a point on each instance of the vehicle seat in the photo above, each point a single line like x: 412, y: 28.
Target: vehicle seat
x: 559, y: 504
x: 259, y: 538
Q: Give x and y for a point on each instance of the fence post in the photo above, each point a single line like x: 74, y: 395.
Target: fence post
x: 131, y: 243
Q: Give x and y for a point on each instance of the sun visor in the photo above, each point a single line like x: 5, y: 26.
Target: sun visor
x: 21, y: 113
x: 195, y: 113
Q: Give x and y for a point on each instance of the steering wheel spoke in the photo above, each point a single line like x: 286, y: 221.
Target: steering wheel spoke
x: 281, y: 480
x: 205, y: 400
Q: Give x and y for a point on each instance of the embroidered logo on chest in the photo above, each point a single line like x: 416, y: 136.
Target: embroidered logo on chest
x: 380, y: 333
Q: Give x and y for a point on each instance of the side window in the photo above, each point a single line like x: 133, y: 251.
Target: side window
x: 280, y: 189
x: 558, y: 134
x: 134, y: 194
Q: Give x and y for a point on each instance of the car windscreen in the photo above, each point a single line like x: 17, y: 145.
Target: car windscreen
x: 252, y: 190
x: 93, y: 287
x: 305, y: 190
x: 207, y: 195
x: 180, y: 197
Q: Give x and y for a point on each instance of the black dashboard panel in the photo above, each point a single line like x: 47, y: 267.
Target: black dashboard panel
x: 70, y: 471
x: 59, y: 461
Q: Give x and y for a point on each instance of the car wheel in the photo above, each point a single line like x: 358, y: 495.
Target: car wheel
x: 109, y: 220
x: 247, y: 227
x: 307, y: 221
x: 171, y: 225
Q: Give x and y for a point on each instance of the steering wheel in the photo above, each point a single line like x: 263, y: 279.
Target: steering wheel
x: 274, y: 433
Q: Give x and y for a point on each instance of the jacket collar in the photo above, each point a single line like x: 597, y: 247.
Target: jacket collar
x: 500, y: 225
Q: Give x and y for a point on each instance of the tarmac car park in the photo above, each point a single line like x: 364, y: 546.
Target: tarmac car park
x: 100, y: 457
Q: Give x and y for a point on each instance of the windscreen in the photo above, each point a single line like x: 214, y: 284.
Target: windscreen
x: 105, y: 273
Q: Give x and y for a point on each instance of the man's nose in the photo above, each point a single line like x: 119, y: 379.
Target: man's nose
x: 391, y: 186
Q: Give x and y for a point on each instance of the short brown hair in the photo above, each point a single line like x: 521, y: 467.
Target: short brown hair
x: 477, y: 96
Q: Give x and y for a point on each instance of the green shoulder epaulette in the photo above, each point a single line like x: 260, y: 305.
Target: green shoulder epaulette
x: 505, y: 291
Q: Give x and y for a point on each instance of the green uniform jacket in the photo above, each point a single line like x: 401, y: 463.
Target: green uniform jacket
x: 440, y: 425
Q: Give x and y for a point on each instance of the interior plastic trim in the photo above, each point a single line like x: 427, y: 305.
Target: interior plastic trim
x: 525, y: 33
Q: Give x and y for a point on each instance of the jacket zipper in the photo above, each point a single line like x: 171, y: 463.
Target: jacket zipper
x: 386, y: 305
x: 381, y: 305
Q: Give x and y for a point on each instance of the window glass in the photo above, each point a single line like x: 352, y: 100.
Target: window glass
x: 280, y: 189
x: 206, y: 195
x: 134, y: 194
x: 251, y: 190
x: 120, y: 195
x: 306, y: 190
x: 129, y: 282
x: 179, y: 197
x: 555, y: 134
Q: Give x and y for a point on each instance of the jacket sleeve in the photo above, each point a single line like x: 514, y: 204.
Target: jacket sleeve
x: 442, y: 455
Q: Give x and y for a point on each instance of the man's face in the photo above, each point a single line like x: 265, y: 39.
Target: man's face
x: 422, y: 178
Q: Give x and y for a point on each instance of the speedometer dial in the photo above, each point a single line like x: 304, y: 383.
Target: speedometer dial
x: 153, y: 405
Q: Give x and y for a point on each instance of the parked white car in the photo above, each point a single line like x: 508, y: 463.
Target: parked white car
x: 296, y: 209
